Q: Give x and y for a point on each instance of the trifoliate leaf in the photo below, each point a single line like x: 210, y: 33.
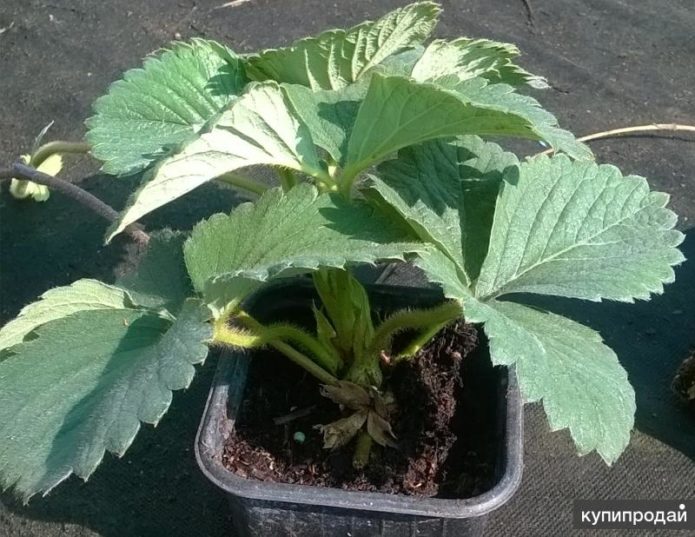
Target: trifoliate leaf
x: 260, y: 128
x: 83, y: 386
x: 60, y: 302
x: 157, y: 107
x: 296, y: 231
x: 336, y: 58
x: 577, y: 229
x: 398, y: 112
x: 579, y: 379
x: 572, y: 229
x: 567, y: 366
x: 447, y: 190
x: 160, y: 279
x: 472, y: 58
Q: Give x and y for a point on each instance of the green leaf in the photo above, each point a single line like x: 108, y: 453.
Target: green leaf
x: 568, y: 367
x: 347, y: 304
x: 446, y: 190
x: 398, y: 112
x: 160, y: 279
x: 401, y: 64
x: 573, y: 229
x: 444, y: 271
x: 162, y: 104
x: 579, y: 379
x: 83, y: 386
x: 229, y: 255
x: 471, y: 58
x: 329, y: 115
x: 577, y: 229
x: 82, y: 295
x: 502, y: 97
x: 324, y: 329
x: 336, y: 58
x: 260, y: 128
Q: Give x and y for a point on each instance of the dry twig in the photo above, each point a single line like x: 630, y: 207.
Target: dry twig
x: 639, y: 129
x: 234, y: 3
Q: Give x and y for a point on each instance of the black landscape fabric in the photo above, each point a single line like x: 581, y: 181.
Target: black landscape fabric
x: 611, y: 63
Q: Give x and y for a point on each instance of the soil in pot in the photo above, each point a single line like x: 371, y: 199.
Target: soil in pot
x: 445, y: 425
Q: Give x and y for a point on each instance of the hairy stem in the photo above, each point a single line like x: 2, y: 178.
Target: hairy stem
x: 244, y: 183
x: 57, y: 146
x: 286, y: 331
x: 22, y: 171
x: 345, y: 185
x: 366, y: 371
x: 363, y: 447
x: 420, y: 341
x: 275, y: 336
x: 412, y: 320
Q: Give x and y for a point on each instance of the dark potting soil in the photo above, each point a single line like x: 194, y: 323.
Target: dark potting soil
x: 445, y: 425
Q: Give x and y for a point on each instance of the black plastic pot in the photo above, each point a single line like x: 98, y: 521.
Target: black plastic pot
x: 275, y: 509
